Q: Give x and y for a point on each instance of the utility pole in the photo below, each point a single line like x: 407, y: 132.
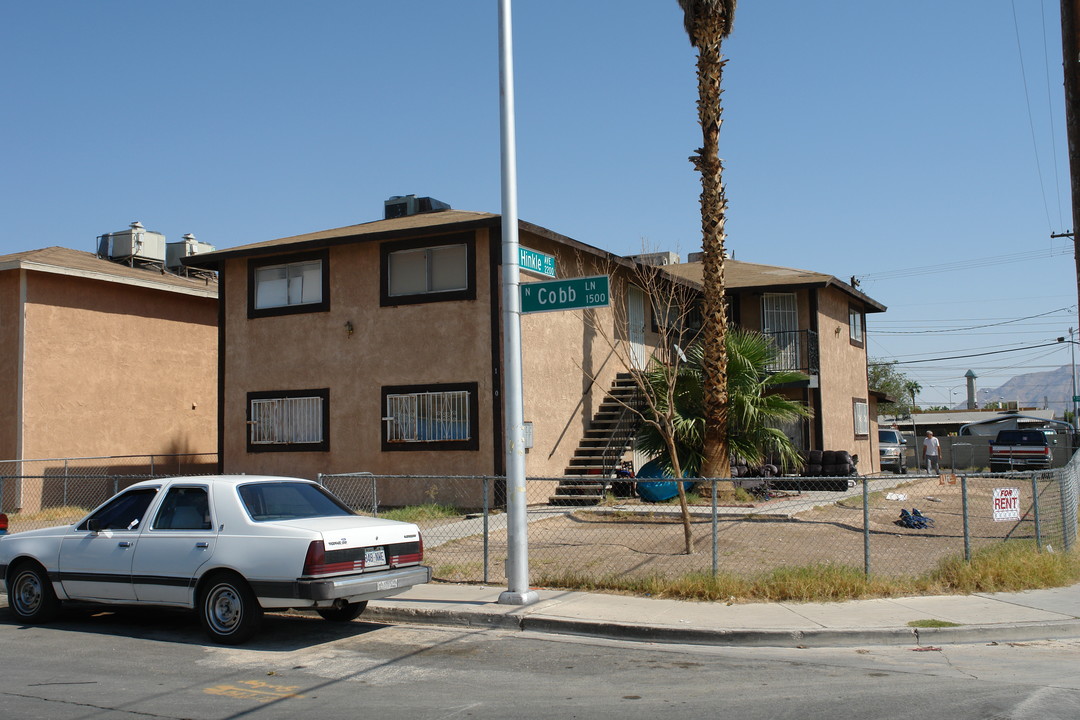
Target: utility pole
x: 1070, y: 52
x: 517, y: 560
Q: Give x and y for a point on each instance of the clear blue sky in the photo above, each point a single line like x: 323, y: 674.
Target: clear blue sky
x: 898, y: 142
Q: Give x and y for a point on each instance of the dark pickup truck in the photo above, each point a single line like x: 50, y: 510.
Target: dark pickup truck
x: 1020, y: 449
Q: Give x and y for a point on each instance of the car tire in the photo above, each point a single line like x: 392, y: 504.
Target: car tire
x: 228, y: 610
x: 903, y: 469
x: 345, y: 613
x: 998, y: 468
x: 30, y: 594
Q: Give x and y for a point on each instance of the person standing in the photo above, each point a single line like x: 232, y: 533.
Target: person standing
x: 932, y: 452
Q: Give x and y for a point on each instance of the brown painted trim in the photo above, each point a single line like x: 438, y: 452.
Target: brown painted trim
x: 473, y: 443
x: 255, y: 264
x: 211, y: 261
x: 222, y: 350
x: 498, y: 461
x: 855, y: 401
x: 862, y: 326
x: 388, y: 248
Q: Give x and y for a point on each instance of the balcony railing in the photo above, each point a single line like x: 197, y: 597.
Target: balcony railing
x: 796, y: 350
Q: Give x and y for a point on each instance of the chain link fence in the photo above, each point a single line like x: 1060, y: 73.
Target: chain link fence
x: 53, y: 491
x: 770, y: 524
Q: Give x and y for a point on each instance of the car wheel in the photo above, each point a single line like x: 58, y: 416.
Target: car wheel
x: 998, y: 468
x: 228, y: 610
x: 345, y: 613
x: 903, y: 469
x: 30, y: 594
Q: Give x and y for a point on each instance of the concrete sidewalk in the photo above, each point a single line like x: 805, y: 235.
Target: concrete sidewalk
x: 993, y: 617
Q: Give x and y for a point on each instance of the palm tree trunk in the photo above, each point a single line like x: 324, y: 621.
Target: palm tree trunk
x: 710, y: 65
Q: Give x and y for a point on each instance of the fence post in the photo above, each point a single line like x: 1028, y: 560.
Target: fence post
x: 1066, y: 522
x: 1035, y: 508
x: 65, y: 482
x: 967, y: 528
x: 487, y: 511
x: 715, y: 534
x: 374, y: 496
x: 866, y: 525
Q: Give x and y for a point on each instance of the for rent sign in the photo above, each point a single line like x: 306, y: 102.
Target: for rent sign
x: 1006, y: 504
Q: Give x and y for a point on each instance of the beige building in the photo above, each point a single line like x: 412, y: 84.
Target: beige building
x: 102, y: 359
x: 819, y: 324
x: 377, y: 348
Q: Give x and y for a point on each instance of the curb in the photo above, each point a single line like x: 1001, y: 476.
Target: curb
x: 742, y: 637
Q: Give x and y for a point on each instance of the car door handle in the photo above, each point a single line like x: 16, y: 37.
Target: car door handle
x: 202, y: 544
x: 125, y: 543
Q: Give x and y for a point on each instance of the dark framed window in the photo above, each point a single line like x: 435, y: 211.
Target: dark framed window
x: 428, y: 270
x: 855, y: 325
x: 860, y: 411
x: 430, y: 417
x: 288, y: 420
x: 289, y: 284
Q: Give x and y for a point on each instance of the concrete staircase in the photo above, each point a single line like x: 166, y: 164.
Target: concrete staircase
x: 601, y: 450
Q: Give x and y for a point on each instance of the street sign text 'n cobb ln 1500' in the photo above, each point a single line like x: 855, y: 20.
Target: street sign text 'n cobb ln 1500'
x: 568, y: 294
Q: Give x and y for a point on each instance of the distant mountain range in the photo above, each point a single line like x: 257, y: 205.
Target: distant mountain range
x: 1048, y: 389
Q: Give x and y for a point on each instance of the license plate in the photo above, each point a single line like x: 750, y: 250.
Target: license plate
x: 387, y: 584
x: 374, y: 556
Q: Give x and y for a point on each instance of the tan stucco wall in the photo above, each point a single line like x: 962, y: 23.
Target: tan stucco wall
x: 437, y: 342
x: 569, y: 360
x: 9, y: 363
x: 843, y: 378
x: 115, y: 370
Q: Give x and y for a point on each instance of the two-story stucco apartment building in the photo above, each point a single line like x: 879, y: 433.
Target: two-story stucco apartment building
x: 378, y: 347
x: 101, y: 359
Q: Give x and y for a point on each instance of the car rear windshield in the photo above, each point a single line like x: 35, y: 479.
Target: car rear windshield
x: 1021, y: 437
x: 888, y: 436
x: 289, y: 501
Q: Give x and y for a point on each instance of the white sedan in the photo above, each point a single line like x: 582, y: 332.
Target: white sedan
x: 227, y: 546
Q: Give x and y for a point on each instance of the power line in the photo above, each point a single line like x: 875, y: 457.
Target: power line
x: 972, y: 327
x: 965, y: 264
x: 960, y: 357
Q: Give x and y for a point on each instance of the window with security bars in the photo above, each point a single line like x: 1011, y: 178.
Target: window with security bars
x: 288, y: 421
x: 780, y: 321
x: 425, y: 417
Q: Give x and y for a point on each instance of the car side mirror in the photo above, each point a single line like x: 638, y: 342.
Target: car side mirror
x: 93, y: 525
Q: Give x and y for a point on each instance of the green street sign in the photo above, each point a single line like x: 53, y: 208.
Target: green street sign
x: 1076, y: 398
x: 536, y: 262
x: 569, y: 294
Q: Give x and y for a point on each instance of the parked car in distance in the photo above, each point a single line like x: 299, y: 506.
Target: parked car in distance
x: 892, y: 450
x: 1020, y: 449
x: 228, y: 547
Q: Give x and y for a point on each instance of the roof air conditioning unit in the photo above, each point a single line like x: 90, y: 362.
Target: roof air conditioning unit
x: 404, y: 205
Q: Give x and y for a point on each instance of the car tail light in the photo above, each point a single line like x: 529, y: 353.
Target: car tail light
x: 3, y: 524
x: 319, y: 562
x: 315, y: 559
x: 406, y: 553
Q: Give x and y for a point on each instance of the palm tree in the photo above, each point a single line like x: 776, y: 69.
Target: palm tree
x: 707, y: 23
x: 755, y: 410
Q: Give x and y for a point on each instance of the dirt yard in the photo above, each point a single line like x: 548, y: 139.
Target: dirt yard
x: 603, y: 542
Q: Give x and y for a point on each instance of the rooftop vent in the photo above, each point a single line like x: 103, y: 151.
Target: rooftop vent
x: 404, y: 205
x: 187, y: 246
x: 658, y: 258
x: 136, y: 244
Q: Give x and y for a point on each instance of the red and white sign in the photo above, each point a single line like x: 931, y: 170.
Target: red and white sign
x: 1006, y: 504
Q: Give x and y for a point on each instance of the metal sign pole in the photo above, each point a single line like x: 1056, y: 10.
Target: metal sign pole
x: 517, y: 559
